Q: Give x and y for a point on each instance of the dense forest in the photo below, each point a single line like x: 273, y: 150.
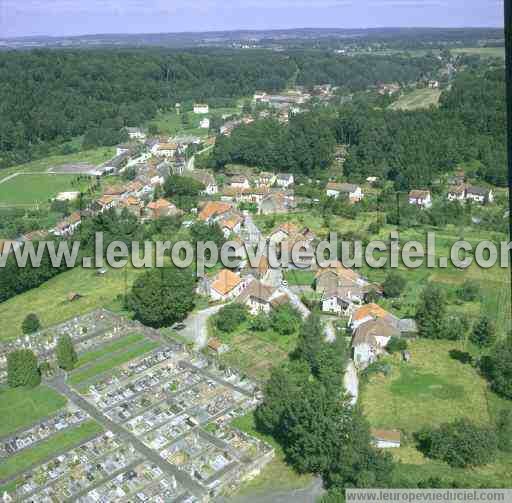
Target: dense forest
x: 411, y: 148
x: 48, y: 97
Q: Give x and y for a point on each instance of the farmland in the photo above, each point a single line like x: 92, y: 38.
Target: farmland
x: 420, y: 98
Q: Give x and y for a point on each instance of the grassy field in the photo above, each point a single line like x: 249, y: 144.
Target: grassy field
x: 32, y: 189
x: 277, y: 475
x: 486, y: 52
x: 430, y: 390
x: 122, y: 343
x: 420, y: 98
x: 59, y: 442
x: 49, y: 301
x: 93, y: 156
x: 20, y: 407
x: 299, y: 278
x: 110, y: 362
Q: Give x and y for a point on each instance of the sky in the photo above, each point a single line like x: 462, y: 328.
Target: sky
x: 77, y: 17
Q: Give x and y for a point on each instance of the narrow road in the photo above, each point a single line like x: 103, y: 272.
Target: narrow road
x: 10, y: 177
x: 191, y: 485
x: 196, y: 327
x: 351, y: 382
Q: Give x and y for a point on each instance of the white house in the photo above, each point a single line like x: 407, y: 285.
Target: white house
x: 284, y: 180
x: 207, y: 179
x: 260, y: 298
x: 231, y: 225
x: 421, y: 198
x: 201, y: 108
x: 239, y: 182
x: 456, y: 193
x: 165, y: 149
x: 353, y: 192
x: 135, y: 133
x: 204, y: 123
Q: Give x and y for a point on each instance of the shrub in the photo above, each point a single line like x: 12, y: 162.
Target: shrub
x: 285, y: 319
x: 260, y: 323
x: 469, y: 291
x: 394, y: 284
x: 396, y: 344
x: 497, y: 368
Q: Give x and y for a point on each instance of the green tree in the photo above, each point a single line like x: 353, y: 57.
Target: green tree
x: 30, y: 324
x: 162, y: 297
x: 484, y: 332
x: 285, y: 319
x: 260, y: 322
x: 22, y: 369
x: 497, y: 368
x: 504, y: 430
x: 230, y: 317
x: 431, y: 312
x: 394, y: 284
x: 396, y: 344
x: 183, y: 191
x: 460, y: 444
x: 310, y: 340
x: 66, y: 354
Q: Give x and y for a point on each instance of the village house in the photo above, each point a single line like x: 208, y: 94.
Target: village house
x: 456, y: 193
x: 276, y: 202
x: 261, y: 271
x: 260, y: 298
x: 207, y: 179
x: 216, y: 346
x: 353, y: 192
x: 135, y: 133
x: 239, y: 182
x: 252, y: 195
x: 104, y: 203
x: 228, y: 127
x: 204, y: 123
x: 265, y: 179
x: 162, y: 208
x: 166, y: 150
x: 370, y: 339
x: 479, y: 195
x: 132, y: 204
x: 213, y: 211
x: 433, y: 84
x: 420, y: 198
x: 284, y: 180
x: 372, y: 312
x: 201, y: 108
x: 225, y: 286
x: 68, y: 226
x: 231, y: 225
x: 283, y: 232
x: 385, y: 439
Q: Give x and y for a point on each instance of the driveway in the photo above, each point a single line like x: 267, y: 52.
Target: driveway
x: 351, y: 382
x: 196, y: 327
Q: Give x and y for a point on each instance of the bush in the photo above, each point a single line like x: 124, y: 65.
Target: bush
x: 396, y: 344
x: 469, y: 291
x: 22, y: 369
x: 285, y: 319
x: 230, y: 317
x: 394, y: 284
x: 461, y: 356
x: 504, y: 430
x: 260, y: 323
x: 30, y: 324
x: 484, y: 333
x: 460, y: 444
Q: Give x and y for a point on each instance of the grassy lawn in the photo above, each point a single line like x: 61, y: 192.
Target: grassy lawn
x: 277, y: 475
x: 49, y: 301
x: 122, y: 343
x: 20, y: 407
x: 299, y: 278
x: 420, y: 98
x: 31, y: 189
x: 109, y: 363
x: 57, y: 443
x: 94, y: 156
x: 430, y: 390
